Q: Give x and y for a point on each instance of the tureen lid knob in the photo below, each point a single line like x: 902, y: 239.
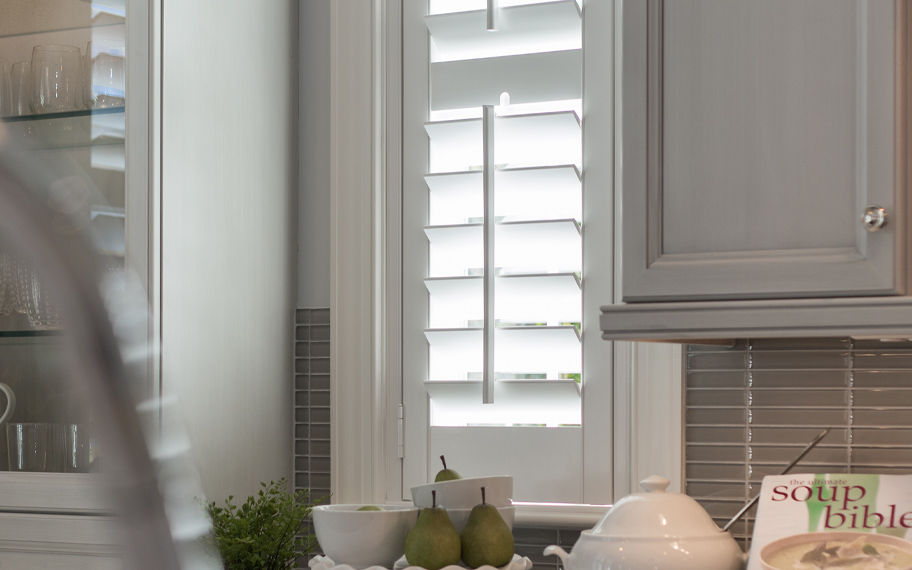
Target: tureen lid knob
x: 655, y: 484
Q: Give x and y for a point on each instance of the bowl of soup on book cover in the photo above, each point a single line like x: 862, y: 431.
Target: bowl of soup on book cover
x: 837, y: 551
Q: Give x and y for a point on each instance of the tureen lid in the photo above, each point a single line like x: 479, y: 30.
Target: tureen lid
x: 657, y: 514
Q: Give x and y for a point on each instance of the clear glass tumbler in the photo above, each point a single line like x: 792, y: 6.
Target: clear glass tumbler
x: 6, y: 93
x: 35, y: 447
x: 19, y: 79
x: 39, y: 306
x: 105, y: 77
x: 55, y: 84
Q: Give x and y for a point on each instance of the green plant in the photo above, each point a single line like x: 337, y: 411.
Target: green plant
x: 265, y: 532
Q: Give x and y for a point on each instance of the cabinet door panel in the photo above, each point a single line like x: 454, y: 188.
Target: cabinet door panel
x: 754, y: 135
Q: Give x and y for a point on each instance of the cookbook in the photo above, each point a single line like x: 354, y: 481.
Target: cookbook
x: 833, y: 522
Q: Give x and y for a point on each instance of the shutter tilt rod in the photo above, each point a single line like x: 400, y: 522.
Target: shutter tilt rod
x: 487, y: 376
x: 491, y: 14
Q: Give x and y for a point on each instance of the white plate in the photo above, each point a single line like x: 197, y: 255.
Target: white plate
x: 325, y: 563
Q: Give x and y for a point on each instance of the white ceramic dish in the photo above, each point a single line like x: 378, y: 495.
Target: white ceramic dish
x: 466, y: 493
x: 363, y: 538
x: 326, y: 563
x: 655, y: 529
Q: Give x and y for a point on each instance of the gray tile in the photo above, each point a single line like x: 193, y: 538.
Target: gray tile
x: 302, y: 447
x: 302, y: 333
x: 718, y: 379
x: 320, y: 316
x: 793, y: 379
x: 319, y: 448
x: 882, y: 398
x: 800, y: 360
x: 319, y: 432
x: 319, y: 398
x: 302, y: 365
x: 536, y: 554
x: 884, y: 361
x: 319, y: 349
x: 302, y: 398
x: 319, y: 481
x: 800, y: 344
x: 740, y: 344
x: 319, y: 415
x: 302, y: 349
x: 319, y: 332
x: 881, y: 379
x: 319, y: 382
x: 708, y: 416
x: 302, y: 316
x: 568, y: 538
x: 716, y: 397
x: 302, y: 415
x: 718, y: 361
x: 319, y: 465
x: 319, y: 366
x: 535, y: 536
x: 301, y: 431
x: 875, y: 345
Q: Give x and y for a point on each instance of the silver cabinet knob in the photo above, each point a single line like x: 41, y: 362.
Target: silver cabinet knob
x: 874, y: 218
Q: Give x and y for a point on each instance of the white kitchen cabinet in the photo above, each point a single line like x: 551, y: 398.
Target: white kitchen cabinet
x: 203, y: 186
x: 754, y: 137
x: 54, y: 519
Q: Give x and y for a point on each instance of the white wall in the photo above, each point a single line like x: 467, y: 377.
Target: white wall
x: 314, y: 170
x: 229, y: 179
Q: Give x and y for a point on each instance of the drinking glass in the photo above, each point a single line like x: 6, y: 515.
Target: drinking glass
x: 19, y: 78
x: 104, y: 74
x: 6, y: 93
x: 35, y: 447
x: 76, y: 444
x: 54, y: 79
x: 39, y: 306
x: 8, y: 289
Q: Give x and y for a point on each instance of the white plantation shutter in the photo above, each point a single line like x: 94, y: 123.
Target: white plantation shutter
x: 529, y: 73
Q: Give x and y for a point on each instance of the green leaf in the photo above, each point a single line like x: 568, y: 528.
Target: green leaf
x: 264, y: 532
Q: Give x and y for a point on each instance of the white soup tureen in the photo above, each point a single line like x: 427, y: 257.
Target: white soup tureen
x: 653, y: 530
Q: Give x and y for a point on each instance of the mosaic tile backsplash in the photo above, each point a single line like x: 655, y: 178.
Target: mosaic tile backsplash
x: 311, y: 402
x: 752, y: 407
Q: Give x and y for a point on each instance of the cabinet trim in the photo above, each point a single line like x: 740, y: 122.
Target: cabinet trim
x: 712, y: 321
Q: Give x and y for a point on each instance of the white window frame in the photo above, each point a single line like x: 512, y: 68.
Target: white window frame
x: 642, y: 402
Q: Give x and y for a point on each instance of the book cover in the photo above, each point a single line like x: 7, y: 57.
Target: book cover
x: 833, y: 522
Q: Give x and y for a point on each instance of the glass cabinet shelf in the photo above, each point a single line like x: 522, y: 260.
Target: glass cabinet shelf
x: 28, y: 333
x: 70, y: 129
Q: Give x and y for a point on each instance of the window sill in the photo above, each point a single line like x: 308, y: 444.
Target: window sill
x: 551, y: 515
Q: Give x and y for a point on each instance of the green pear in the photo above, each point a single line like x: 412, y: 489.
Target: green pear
x: 486, y: 538
x: 371, y: 508
x: 446, y: 474
x: 433, y: 542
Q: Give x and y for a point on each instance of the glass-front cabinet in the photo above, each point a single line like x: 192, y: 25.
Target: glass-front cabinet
x: 63, y: 97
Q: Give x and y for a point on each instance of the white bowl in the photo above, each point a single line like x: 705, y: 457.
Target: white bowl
x: 363, y: 538
x: 461, y: 516
x: 466, y: 493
